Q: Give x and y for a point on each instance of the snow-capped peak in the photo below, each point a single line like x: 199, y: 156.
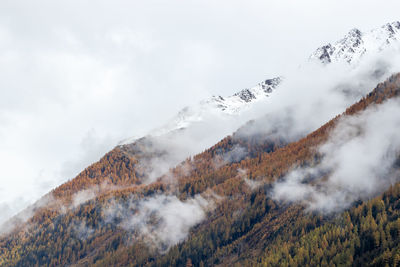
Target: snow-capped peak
x: 217, y: 105
x: 231, y: 105
x: 356, y: 44
x: 350, y: 49
x: 240, y: 100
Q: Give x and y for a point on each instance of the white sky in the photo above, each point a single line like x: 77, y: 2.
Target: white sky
x: 78, y: 76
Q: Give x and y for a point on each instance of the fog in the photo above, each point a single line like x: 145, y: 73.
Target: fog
x: 358, y: 162
x: 306, y: 99
x: 160, y: 220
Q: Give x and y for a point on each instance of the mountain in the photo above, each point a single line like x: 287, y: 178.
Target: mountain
x: 226, y: 208
x: 231, y: 105
x: 259, y: 196
x: 163, y: 148
x: 357, y: 44
x: 351, y: 49
x: 181, y: 137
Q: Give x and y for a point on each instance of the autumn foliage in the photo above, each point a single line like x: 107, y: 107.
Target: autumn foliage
x: 246, y: 227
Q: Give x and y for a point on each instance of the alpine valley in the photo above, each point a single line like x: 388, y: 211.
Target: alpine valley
x: 300, y: 170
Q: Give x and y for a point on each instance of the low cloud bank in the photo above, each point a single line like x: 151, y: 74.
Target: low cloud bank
x: 306, y: 99
x: 358, y: 161
x: 8, y: 224
x: 162, y: 220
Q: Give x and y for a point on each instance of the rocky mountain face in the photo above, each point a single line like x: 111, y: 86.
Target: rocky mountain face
x: 357, y: 44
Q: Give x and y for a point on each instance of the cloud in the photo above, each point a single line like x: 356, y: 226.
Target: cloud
x: 314, y: 94
x: 8, y: 223
x: 91, y: 148
x: 358, y: 162
x: 161, y: 220
x: 306, y: 99
x: 81, y: 229
x: 82, y: 196
x: 252, y: 184
x: 158, y: 153
x: 236, y: 154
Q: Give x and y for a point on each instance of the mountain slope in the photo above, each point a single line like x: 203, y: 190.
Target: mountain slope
x: 231, y: 105
x: 167, y: 146
x: 240, y: 226
x: 214, y: 208
x: 183, y: 135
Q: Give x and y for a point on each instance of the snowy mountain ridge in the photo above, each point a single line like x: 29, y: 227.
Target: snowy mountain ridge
x: 356, y: 44
x: 351, y: 49
x: 228, y: 106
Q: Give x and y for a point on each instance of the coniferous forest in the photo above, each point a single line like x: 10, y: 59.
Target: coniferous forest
x: 235, y: 220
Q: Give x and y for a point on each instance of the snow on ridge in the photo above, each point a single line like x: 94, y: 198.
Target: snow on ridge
x: 230, y: 106
x: 356, y: 44
x: 239, y: 101
x: 349, y: 49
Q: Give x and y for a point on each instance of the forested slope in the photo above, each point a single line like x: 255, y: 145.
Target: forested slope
x: 242, y: 225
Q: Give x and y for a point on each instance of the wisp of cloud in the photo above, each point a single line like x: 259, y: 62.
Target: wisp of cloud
x: 162, y: 220
x: 358, y: 162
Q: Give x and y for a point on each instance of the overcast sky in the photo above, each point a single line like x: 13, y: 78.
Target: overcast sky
x: 76, y: 77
